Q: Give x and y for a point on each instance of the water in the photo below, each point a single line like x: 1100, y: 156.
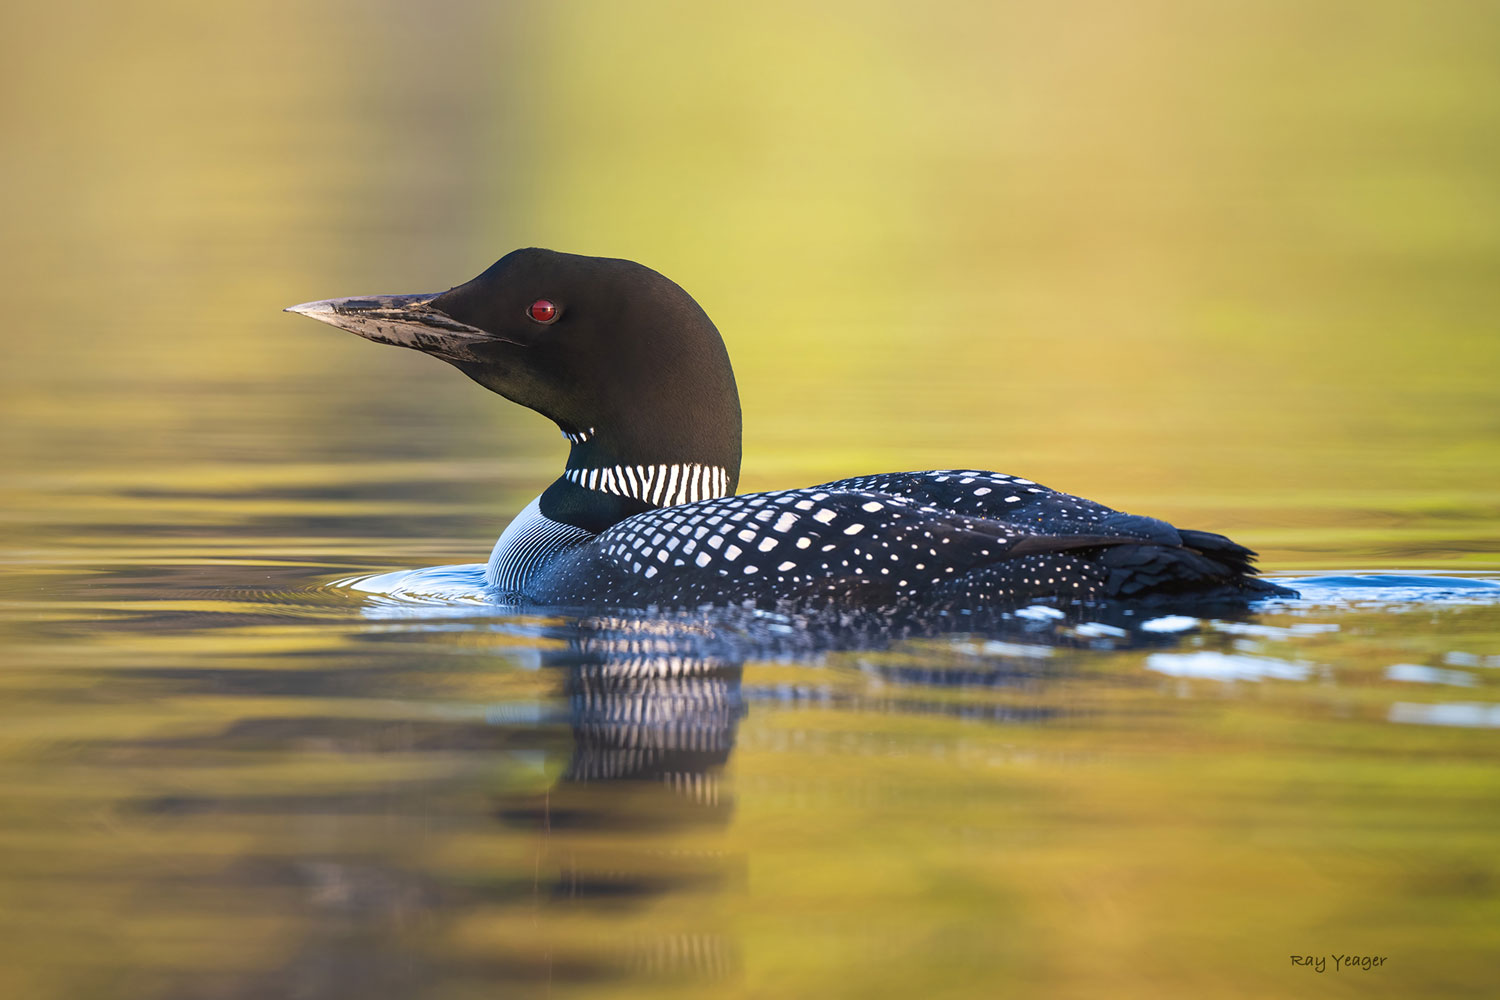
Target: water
x: 1231, y: 265
x: 256, y: 777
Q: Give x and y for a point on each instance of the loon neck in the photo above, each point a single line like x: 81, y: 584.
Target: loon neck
x: 604, y: 483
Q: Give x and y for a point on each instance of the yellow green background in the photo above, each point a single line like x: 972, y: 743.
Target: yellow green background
x: 1231, y: 263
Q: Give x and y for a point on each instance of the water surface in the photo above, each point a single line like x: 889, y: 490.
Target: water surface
x: 250, y: 773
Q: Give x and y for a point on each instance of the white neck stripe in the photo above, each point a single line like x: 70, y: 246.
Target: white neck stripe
x: 659, y: 485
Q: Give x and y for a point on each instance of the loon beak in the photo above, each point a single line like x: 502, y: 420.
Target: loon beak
x: 403, y: 321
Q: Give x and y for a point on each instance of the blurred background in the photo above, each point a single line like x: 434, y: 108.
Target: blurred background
x: 1232, y: 263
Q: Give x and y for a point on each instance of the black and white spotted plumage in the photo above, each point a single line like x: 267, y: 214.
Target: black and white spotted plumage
x: 953, y: 538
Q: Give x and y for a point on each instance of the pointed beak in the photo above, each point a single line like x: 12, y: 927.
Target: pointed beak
x: 403, y: 321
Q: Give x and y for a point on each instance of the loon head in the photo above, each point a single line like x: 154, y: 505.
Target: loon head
x: 623, y: 360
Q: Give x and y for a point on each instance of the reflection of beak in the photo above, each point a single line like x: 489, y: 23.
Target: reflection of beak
x: 403, y: 320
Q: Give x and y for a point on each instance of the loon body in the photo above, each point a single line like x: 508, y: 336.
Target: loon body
x: 645, y: 513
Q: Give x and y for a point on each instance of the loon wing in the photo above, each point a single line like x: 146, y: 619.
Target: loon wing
x: 1030, y: 505
x: 1012, y: 500
x: 869, y: 548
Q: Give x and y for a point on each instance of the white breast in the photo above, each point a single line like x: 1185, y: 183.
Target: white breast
x: 527, y: 545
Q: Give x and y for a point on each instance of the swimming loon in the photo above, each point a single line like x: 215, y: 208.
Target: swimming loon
x: 637, y: 378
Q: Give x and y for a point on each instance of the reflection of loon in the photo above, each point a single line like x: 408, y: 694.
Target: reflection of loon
x: 653, y: 722
x: 637, y: 378
x: 654, y: 705
x: 615, y: 871
x: 645, y: 707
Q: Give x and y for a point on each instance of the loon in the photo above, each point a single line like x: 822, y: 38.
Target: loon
x: 645, y: 513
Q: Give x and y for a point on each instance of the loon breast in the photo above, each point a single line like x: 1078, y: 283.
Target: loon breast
x: 528, y: 545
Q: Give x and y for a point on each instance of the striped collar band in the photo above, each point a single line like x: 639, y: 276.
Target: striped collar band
x: 659, y: 485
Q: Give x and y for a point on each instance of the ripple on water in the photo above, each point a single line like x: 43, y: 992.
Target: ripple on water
x: 463, y: 585
x: 1266, y: 642
x: 1373, y: 589
x: 433, y: 591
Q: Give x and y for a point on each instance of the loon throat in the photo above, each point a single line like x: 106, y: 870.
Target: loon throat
x: 645, y: 511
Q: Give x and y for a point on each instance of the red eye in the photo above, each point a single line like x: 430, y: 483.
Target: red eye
x: 543, y: 310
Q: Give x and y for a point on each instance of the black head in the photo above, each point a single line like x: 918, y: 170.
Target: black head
x: 622, y: 359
